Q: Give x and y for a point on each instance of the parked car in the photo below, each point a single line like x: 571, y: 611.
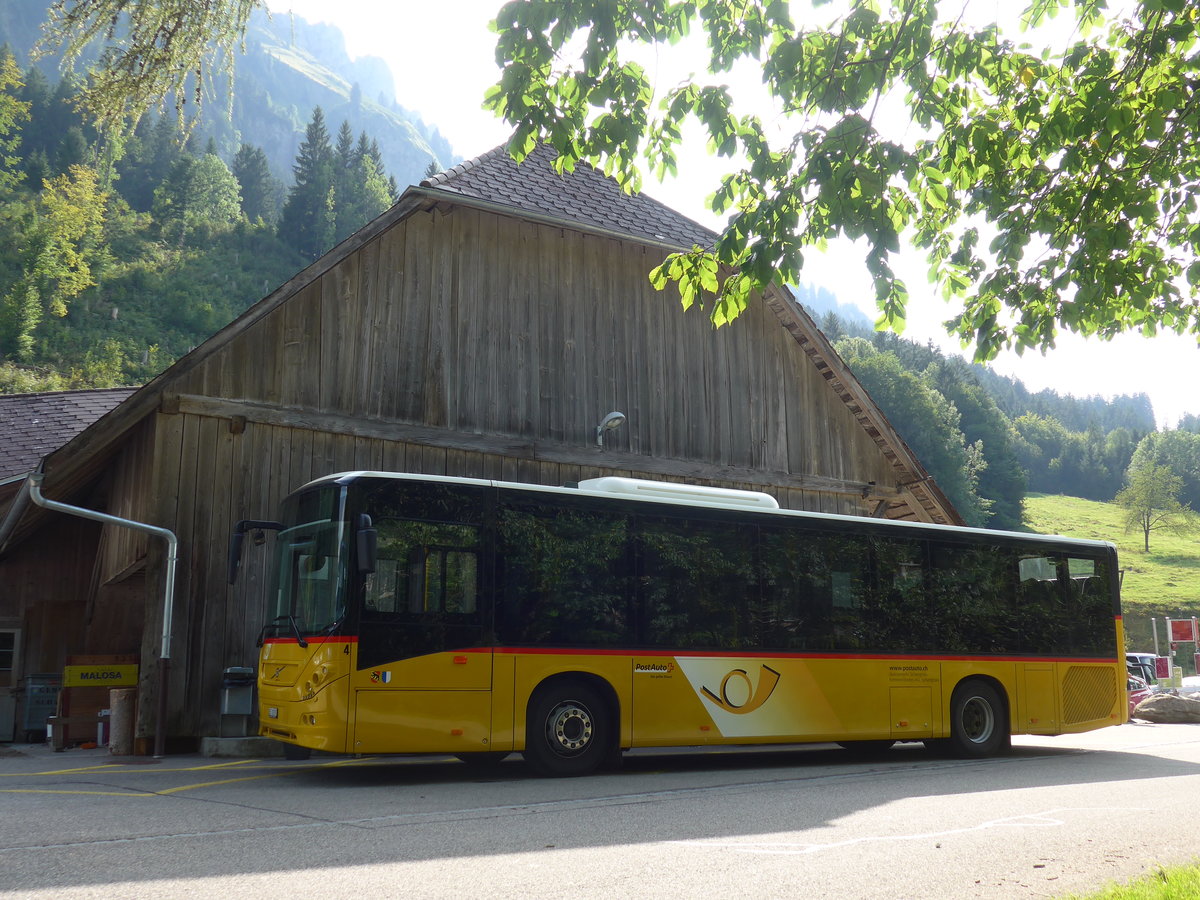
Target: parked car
x: 1138, y: 691
x: 1142, y: 665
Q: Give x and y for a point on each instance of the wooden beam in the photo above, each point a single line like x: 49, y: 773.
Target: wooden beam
x: 501, y: 445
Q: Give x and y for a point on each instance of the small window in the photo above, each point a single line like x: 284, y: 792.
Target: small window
x: 441, y: 579
x: 1038, y: 568
x: 1081, y: 568
x: 382, y: 585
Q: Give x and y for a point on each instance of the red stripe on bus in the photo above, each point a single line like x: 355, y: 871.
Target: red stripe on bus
x: 763, y: 654
x: 324, y: 639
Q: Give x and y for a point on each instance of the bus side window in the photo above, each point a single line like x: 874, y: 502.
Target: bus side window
x: 423, y: 568
x: 815, y: 582
x: 1040, y: 596
x: 971, y: 589
x: 709, y: 564
x: 563, y: 576
x: 414, y: 579
x: 1091, y: 606
x: 896, y: 613
x: 1087, y: 585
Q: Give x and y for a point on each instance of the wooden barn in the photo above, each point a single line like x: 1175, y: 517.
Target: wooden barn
x: 483, y: 327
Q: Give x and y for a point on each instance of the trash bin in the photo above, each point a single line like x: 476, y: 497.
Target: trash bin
x: 237, y: 691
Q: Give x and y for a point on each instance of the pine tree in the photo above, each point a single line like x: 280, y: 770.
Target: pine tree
x: 37, y: 169
x: 152, y: 152
x: 259, y: 190
x: 71, y: 151
x: 307, y: 221
x: 36, y: 135
x: 347, y: 186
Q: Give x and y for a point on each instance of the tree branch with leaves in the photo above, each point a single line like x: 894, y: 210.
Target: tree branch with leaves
x: 1048, y: 191
x: 151, y: 50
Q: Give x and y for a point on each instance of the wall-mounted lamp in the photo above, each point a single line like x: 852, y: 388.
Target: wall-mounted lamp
x: 611, y: 421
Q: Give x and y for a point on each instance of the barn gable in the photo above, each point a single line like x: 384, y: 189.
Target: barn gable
x: 588, y: 198
x: 482, y: 327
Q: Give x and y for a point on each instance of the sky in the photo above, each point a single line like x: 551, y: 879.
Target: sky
x: 442, y: 57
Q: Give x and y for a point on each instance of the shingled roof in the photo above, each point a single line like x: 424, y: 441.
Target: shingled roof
x: 32, y: 425
x: 585, y: 195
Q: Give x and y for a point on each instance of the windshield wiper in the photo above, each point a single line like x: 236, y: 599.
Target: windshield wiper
x: 291, y: 620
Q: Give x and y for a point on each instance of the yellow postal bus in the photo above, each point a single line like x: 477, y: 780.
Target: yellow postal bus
x: 421, y: 614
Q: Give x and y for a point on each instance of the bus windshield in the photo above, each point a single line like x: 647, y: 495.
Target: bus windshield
x: 309, y: 573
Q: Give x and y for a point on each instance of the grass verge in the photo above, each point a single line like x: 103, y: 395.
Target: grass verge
x: 1175, y: 883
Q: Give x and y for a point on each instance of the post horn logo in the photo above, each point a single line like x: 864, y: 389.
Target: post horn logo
x: 755, y: 696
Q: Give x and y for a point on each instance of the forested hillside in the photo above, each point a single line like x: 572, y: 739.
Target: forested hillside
x: 118, y: 254
x: 289, y: 67
x: 988, y: 440
x: 117, y: 257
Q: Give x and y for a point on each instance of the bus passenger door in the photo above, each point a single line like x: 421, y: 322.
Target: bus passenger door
x: 424, y: 674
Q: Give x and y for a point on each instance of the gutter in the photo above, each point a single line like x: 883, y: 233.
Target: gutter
x: 32, y: 490
x: 18, y: 506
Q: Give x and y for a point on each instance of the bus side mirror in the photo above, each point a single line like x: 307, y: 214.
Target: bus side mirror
x: 368, y: 544
x: 239, y: 535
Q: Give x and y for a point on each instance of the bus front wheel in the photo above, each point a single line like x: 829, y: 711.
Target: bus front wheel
x: 568, y: 730
x: 978, y: 720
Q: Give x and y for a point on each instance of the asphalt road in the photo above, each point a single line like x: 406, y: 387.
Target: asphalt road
x: 1058, y: 815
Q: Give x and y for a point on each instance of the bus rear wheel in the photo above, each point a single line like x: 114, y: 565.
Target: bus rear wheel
x: 568, y: 730
x: 978, y: 720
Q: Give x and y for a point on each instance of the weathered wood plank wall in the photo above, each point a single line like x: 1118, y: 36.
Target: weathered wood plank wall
x: 479, y: 324
x: 46, y: 586
x: 123, y: 550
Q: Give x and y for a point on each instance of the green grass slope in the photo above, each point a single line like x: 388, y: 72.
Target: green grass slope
x: 1163, y: 582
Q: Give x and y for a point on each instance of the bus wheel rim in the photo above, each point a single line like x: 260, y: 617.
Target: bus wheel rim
x: 978, y: 720
x: 569, y: 728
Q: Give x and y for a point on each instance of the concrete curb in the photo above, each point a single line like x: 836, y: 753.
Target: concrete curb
x: 240, y: 747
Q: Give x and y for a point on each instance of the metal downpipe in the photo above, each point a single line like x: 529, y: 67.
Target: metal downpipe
x: 34, y: 483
